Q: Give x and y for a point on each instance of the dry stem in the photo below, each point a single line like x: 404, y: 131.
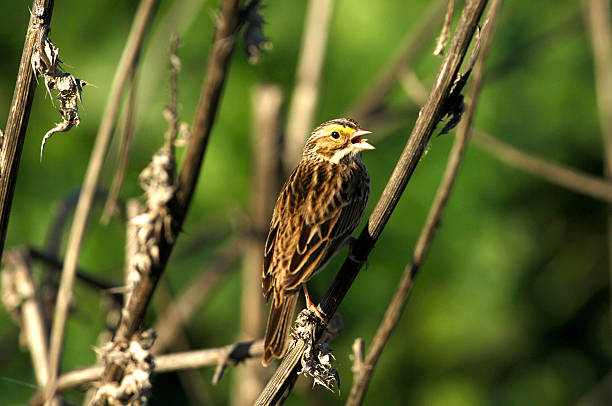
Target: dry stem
x: 305, y: 95
x: 229, y: 354
x: 19, y: 114
x: 446, y: 28
x: 266, y: 103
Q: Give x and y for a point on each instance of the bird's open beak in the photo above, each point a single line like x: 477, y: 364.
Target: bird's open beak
x: 360, y: 143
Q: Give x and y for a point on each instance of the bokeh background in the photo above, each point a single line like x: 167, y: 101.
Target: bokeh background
x: 512, y: 306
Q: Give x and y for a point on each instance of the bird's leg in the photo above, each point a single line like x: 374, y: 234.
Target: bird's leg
x: 311, y: 306
x: 350, y: 241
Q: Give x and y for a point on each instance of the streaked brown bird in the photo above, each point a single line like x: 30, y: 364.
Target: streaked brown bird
x: 319, y: 207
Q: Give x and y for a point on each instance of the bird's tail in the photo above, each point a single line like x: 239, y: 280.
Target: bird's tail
x: 275, y: 342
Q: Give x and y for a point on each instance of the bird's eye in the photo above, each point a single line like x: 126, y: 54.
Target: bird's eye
x: 335, y: 135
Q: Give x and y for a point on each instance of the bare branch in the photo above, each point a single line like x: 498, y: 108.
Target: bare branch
x: 358, y: 357
x: 305, y: 95
x: 19, y: 114
x: 428, y: 118
x: 394, y: 311
x: 446, y: 28
x: 229, y: 354
x: 129, y: 57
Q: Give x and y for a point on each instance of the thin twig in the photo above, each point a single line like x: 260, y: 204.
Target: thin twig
x: 127, y: 133
x: 129, y: 57
x: 305, y: 96
x: 358, y: 357
x: 428, y: 118
x: 446, y: 28
x: 232, y: 353
x: 598, y: 19
x: 19, y: 114
x: 411, y: 47
x: 397, y: 304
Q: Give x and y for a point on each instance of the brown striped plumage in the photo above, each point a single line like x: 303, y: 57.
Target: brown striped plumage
x: 319, y: 207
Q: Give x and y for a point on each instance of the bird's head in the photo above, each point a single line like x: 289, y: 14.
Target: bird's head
x: 339, y: 140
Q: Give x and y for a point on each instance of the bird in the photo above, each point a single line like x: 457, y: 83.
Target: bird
x: 315, y: 214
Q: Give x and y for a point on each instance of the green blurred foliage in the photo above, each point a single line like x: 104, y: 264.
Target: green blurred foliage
x: 512, y: 304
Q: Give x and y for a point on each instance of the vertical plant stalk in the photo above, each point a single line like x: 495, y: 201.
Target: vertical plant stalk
x: 305, y: 96
x: 557, y: 174
x: 129, y: 58
x: 111, y: 206
x: 598, y: 20
x: 266, y: 102
x: 17, y: 124
x: 429, y: 116
x: 446, y: 29
x: 397, y: 304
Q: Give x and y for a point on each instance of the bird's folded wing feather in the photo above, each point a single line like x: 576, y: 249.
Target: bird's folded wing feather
x: 313, y: 211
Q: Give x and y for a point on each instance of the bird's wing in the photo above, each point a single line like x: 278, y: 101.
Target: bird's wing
x: 315, y: 210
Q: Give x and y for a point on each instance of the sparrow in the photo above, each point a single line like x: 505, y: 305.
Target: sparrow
x: 314, y: 216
